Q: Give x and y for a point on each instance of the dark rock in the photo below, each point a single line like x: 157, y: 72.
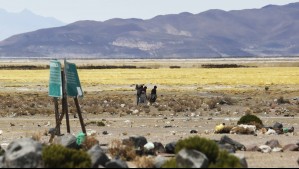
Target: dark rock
x: 138, y: 141
x: 237, y: 145
x: 68, y: 141
x: 170, y: 148
x: 252, y: 148
x: 243, y: 160
x: 159, y: 147
x: 273, y: 143
x: 168, y: 126
x: 98, y: 157
x: 193, y: 131
x: 159, y: 161
x: 116, y: 163
x: 229, y: 148
x: 23, y: 153
x: 105, y: 132
x: 277, y: 126
x: 2, y: 162
x: 191, y: 159
x: 291, y: 147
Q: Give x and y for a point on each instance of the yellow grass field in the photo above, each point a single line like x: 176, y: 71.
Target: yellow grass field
x: 163, y: 76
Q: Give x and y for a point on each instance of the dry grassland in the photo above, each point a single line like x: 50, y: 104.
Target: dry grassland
x: 163, y: 76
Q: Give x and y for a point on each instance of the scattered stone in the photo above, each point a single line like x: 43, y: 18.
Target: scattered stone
x: 271, y: 132
x: 135, y: 111
x: 265, y: 149
x: 98, y: 157
x: 23, y: 153
x: 229, y: 148
x: 122, y: 105
x: 237, y: 145
x: 243, y: 160
x: 252, y: 148
x: 210, y: 118
x: 277, y: 126
x: 11, y: 124
x: 170, y: 148
x: 91, y: 132
x: 149, y: 146
x: 105, y: 132
x: 168, y: 126
x: 1, y: 162
x: 159, y: 148
x: 277, y: 149
x: 139, y: 141
x: 159, y: 161
x: 193, y: 131
x: 191, y: 159
x: 68, y: 141
x: 273, y: 143
x: 127, y: 121
x: 116, y: 163
x: 291, y: 147
x: 48, y: 124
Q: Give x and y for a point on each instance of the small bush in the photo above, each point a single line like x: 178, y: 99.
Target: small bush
x: 225, y: 160
x: 208, y: 147
x: 250, y: 120
x: 89, y: 142
x: 144, y: 162
x: 125, y: 151
x: 100, y: 124
x: 281, y: 100
x: 174, y: 67
x: 170, y: 163
x: 57, y: 156
x: 212, y: 103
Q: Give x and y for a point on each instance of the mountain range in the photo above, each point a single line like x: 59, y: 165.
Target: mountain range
x: 271, y: 31
x: 24, y: 21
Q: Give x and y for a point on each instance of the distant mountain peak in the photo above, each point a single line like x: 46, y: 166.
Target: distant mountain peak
x: 25, y: 21
x: 270, y: 6
x: 271, y: 31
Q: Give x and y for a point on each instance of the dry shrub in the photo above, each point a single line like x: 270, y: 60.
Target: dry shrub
x: 212, y: 103
x: 37, y: 136
x: 125, y: 151
x: 177, y: 108
x: 147, y: 110
x: 89, y: 143
x: 228, y: 100
x: 226, y: 129
x: 162, y: 108
x: 281, y: 100
x: 241, y: 130
x: 144, y: 162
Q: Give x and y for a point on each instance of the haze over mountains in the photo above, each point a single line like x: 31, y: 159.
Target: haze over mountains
x: 25, y: 21
x: 271, y: 31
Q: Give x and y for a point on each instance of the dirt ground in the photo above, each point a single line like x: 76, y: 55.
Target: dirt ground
x: 26, y: 113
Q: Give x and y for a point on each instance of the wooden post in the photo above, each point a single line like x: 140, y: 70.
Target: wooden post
x: 57, y: 116
x: 80, y: 115
x: 65, y: 103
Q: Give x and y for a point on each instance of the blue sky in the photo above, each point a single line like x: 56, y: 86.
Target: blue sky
x: 100, y: 10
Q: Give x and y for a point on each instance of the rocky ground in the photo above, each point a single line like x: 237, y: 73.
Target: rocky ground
x: 172, y: 117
